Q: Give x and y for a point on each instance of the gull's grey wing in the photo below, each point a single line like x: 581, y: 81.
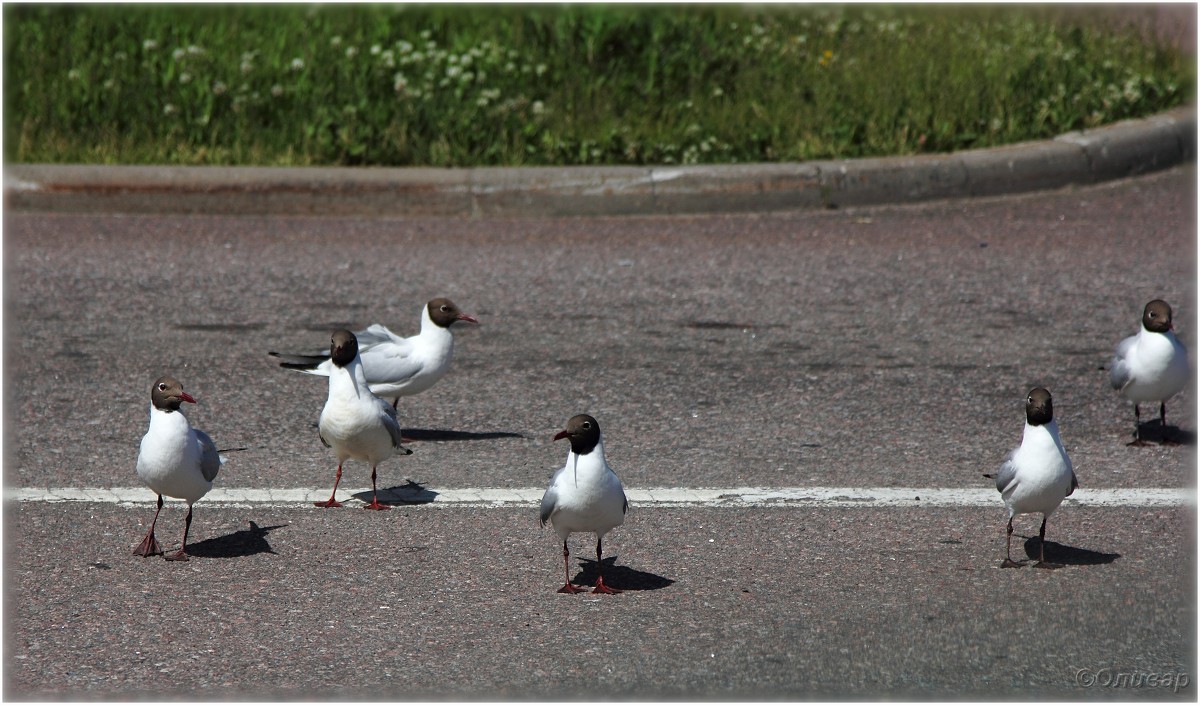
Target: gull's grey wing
x: 392, y: 424
x: 1118, y: 369
x: 299, y: 362
x: 210, y: 460
x: 1006, y: 475
x: 549, y: 502
x: 373, y: 335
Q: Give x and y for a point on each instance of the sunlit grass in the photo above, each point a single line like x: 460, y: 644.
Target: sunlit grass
x: 582, y: 84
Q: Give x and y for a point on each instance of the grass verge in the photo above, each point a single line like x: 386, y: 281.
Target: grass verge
x: 539, y: 85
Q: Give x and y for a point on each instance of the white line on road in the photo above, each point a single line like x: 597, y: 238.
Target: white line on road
x: 643, y: 497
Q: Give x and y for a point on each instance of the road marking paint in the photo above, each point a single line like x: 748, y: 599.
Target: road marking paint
x: 735, y: 497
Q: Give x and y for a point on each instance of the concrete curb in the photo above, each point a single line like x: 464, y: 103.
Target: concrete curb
x: 1121, y: 150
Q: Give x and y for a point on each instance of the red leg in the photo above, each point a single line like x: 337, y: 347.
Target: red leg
x: 1008, y: 561
x: 375, y: 495
x: 568, y: 587
x: 600, y: 586
x: 1162, y: 417
x: 332, y: 502
x: 181, y: 554
x: 1042, y: 548
x: 1137, y: 428
x: 149, y: 545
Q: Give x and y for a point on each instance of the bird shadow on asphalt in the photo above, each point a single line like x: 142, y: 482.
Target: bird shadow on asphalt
x: 619, y: 577
x: 1067, y: 555
x: 408, y: 493
x: 432, y: 434
x: 246, y: 542
x: 1155, y: 432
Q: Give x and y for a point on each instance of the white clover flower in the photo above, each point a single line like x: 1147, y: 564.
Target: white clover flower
x: 375, y: 49
x: 74, y: 74
x: 169, y: 109
x: 541, y: 69
x: 467, y: 77
x: 389, y: 59
x: 416, y: 92
x: 399, y: 82
x: 109, y: 84
x: 297, y: 64
x: 194, y: 50
x: 178, y: 54
x: 404, y: 47
x: 246, y: 66
x: 466, y: 60
x: 538, y: 107
x: 185, y: 78
x: 120, y: 56
x: 276, y: 90
x: 219, y: 88
x: 335, y: 41
x: 717, y: 92
x: 510, y: 67
x: 351, y: 52
x: 418, y: 57
x: 481, y: 101
x: 149, y: 45
x: 426, y: 34
x: 453, y: 71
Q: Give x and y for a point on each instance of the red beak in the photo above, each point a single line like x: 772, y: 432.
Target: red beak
x: 187, y: 397
x: 468, y: 319
x: 561, y: 434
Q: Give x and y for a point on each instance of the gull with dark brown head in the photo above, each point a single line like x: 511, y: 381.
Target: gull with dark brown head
x: 1150, y: 366
x: 355, y: 423
x: 1037, y: 475
x: 394, y: 366
x: 585, y: 495
x: 174, y: 459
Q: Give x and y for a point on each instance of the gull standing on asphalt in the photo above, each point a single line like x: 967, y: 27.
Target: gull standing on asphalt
x: 1037, y: 475
x: 393, y: 366
x: 1150, y: 366
x: 174, y: 460
x: 354, y: 422
x: 585, y: 495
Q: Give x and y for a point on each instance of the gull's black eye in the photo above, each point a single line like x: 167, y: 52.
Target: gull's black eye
x: 162, y: 387
x: 445, y: 308
x: 587, y: 424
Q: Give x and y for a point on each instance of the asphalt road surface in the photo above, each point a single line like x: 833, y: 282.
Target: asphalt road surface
x: 881, y: 347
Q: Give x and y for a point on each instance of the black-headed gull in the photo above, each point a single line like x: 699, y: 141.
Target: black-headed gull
x: 393, y: 366
x: 1150, y: 366
x: 585, y: 495
x: 354, y: 422
x: 1037, y: 475
x: 174, y: 459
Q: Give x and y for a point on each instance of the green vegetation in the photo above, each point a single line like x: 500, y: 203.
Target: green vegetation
x: 578, y: 84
